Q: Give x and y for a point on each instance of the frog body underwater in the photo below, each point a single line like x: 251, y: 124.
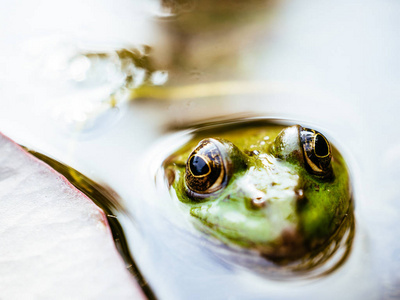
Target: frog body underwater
x: 280, y: 191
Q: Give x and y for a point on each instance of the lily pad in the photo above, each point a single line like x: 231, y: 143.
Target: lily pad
x: 54, y: 241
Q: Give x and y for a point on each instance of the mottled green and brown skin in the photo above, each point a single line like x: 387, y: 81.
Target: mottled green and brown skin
x: 280, y: 191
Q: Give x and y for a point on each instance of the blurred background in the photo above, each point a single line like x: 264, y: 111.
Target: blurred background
x: 95, y: 84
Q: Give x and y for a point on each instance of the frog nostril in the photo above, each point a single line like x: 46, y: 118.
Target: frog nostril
x: 258, y: 202
x: 301, y: 199
x: 253, y: 197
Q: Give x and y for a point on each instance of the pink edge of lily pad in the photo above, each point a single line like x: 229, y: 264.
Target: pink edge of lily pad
x: 55, y: 243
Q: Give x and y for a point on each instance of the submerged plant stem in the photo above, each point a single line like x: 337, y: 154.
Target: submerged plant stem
x: 212, y: 89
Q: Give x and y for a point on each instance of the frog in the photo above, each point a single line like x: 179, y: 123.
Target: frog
x: 281, y: 191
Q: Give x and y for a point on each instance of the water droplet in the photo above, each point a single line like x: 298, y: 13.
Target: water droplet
x: 159, y: 77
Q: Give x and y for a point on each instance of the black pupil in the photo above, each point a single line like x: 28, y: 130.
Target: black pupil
x: 198, y: 166
x: 321, y: 146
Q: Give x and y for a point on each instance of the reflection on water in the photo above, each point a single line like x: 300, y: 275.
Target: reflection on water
x: 107, y: 81
x: 263, y: 255
x: 134, y: 66
x: 203, y: 39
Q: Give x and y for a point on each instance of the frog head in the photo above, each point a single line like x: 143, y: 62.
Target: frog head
x: 279, y: 191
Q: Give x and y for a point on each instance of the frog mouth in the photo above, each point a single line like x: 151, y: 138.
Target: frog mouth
x: 290, y: 247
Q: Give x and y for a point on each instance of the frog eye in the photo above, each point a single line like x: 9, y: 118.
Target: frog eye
x: 205, y: 168
x: 317, y: 151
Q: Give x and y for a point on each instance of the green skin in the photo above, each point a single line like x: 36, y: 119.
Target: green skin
x: 271, y: 202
